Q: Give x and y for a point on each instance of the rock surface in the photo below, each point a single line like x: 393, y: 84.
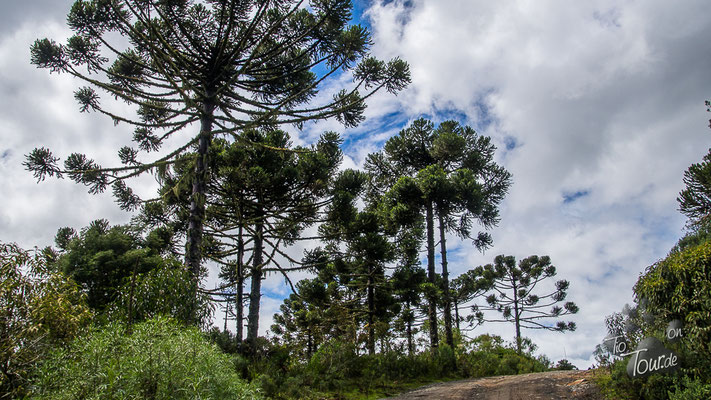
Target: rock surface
x: 542, y: 385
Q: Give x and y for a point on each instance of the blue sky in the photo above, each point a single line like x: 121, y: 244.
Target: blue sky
x: 597, y: 108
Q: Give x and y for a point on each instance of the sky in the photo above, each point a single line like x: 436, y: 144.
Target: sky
x: 597, y: 109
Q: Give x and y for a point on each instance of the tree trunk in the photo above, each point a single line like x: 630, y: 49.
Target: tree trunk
x: 239, y: 301
x: 371, y: 311
x: 456, y: 312
x: 518, y: 326
x: 432, y: 298
x: 193, y: 253
x: 449, y: 337
x: 193, y: 244
x: 410, y: 347
x: 256, y: 293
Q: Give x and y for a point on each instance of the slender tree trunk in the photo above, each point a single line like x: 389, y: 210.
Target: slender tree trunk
x: 518, y: 326
x: 256, y: 293
x: 309, y: 343
x: 432, y: 309
x: 410, y: 347
x: 130, y: 296
x: 449, y: 337
x: 456, y: 312
x: 239, y: 301
x: 371, y: 310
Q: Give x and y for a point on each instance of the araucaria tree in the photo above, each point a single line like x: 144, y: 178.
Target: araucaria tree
x: 205, y: 69
x: 514, y: 298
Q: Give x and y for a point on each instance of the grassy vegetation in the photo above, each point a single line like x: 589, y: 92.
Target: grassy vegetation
x: 337, y: 371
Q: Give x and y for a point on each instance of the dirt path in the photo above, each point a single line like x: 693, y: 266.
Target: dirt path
x: 543, y: 385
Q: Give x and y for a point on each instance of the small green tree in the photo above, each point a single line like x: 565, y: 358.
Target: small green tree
x: 514, y: 298
x: 564, y: 365
x: 360, y: 247
x: 102, y: 258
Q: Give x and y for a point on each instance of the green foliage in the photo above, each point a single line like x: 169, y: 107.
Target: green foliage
x: 618, y: 385
x: 698, y: 234
x: 159, y: 359
x: 103, y: 258
x: 676, y: 287
x: 39, y: 308
x: 491, y: 356
x: 513, y: 296
x: 165, y: 290
x: 695, y: 199
x: 679, y: 287
x: 691, y: 389
x: 564, y: 365
x: 337, y: 370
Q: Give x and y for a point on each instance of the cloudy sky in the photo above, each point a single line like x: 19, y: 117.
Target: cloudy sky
x: 596, y: 108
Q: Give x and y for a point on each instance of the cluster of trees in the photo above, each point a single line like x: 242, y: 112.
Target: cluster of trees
x: 424, y: 175
x: 219, y: 82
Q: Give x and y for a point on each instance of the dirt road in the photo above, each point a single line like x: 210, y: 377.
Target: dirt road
x: 543, y: 385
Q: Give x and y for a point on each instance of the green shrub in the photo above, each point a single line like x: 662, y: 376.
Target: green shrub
x: 564, y: 365
x: 165, y: 290
x: 39, y: 308
x: 691, y: 389
x: 490, y: 356
x: 157, y: 360
x: 680, y: 287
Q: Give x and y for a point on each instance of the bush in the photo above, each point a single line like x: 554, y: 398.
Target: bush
x: 158, y: 360
x: 490, y: 356
x: 564, y: 365
x: 691, y: 389
x: 679, y: 287
x: 39, y: 309
x: 166, y: 290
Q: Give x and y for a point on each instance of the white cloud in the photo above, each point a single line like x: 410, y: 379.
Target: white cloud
x: 603, y: 98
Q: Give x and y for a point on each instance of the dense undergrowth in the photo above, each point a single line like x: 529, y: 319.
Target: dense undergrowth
x: 337, y: 371
x: 156, y: 359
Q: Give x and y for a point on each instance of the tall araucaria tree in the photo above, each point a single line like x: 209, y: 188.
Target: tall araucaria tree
x: 221, y: 65
x: 469, y: 189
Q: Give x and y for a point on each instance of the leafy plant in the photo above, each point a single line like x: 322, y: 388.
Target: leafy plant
x: 39, y: 308
x: 158, y: 360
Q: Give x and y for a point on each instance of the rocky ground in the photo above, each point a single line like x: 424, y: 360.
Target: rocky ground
x: 543, y: 385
